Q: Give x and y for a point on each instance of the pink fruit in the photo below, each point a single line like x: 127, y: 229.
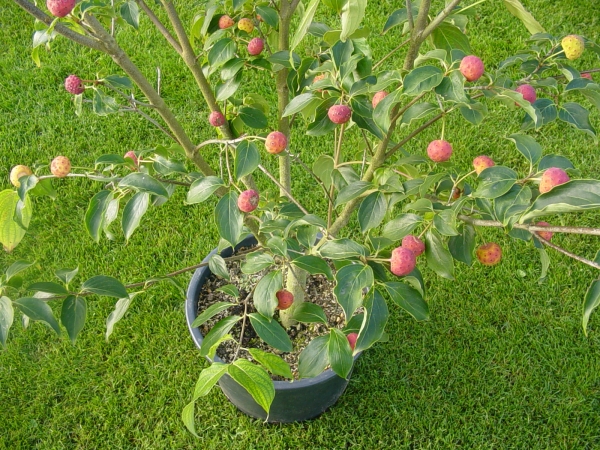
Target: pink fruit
x: 60, y: 166
x: 552, y: 177
x: 471, y: 67
x: 528, y: 92
x: 256, y: 46
x: 378, y: 97
x: 402, y: 262
x: 248, y: 200
x: 216, y: 119
x: 339, y: 113
x: 439, y: 150
x: 352, y: 337
x: 60, y: 8
x: 74, y: 85
x: 489, y: 254
x: 285, y: 298
x: 544, y: 234
x: 482, y: 162
x: 276, y: 142
x: 131, y: 154
x: 587, y: 76
x: 246, y: 25
x: 18, y: 172
x: 225, y: 22
x: 414, y: 244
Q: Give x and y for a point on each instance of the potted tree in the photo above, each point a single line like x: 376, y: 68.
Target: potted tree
x: 386, y: 204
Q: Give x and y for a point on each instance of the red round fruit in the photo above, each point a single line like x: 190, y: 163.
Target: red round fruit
x: 402, y: 262
x: 352, y: 337
x: 216, y: 119
x: 544, y: 234
x: 256, y: 46
x: 482, y: 162
x: 528, y: 92
x: 552, y: 177
x: 285, y: 299
x: 276, y: 142
x: 131, y: 154
x: 339, y: 114
x: 489, y: 254
x: 60, y: 8
x: 414, y: 244
x: 248, y: 200
x: 439, y: 150
x: 587, y: 76
x: 60, y: 166
x: 74, y: 85
x: 378, y: 97
x: 471, y: 67
x: 225, y: 22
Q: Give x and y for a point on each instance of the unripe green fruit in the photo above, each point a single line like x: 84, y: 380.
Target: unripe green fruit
x: 60, y: 166
x: 248, y: 200
x: 276, y: 142
x: 552, y: 177
x: 489, y: 254
x: 573, y: 46
x: 482, y: 162
x: 471, y: 67
x: 246, y: 25
x: 439, y: 150
x: 402, y: 262
x: 285, y: 299
x: 352, y: 337
x: 18, y: 172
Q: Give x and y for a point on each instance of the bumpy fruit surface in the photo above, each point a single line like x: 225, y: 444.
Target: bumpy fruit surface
x: 352, y: 337
x: 489, y: 254
x: 402, y: 262
x: 471, y: 67
x: 246, y: 25
x: 339, y: 114
x: 248, y: 200
x: 74, y: 85
x: 276, y: 142
x: 544, y: 234
x: 482, y: 162
x: 60, y: 8
x: 573, y: 46
x: 256, y: 46
x: 285, y: 299
x: 414, y: 244
x: 552, y: 177
x: 225, y: 22
x: 18, y: 172
x: 378, y: 97
x: 439, y: 150
x: 60, y: 166
x: 528, y: 92
x: 216, y: 119
x: 131, y: 154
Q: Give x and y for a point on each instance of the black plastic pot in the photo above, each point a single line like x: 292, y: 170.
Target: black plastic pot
x: 294, y: 401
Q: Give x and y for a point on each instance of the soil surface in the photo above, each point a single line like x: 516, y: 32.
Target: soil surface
x: 319, y: 290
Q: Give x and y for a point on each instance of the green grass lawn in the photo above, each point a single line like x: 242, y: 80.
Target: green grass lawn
x: 503, y: 362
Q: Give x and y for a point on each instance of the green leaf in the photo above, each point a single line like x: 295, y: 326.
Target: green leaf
x: 220, y: 329
x: 105, y: 286
x: 117, y: 314
x: 545, y: 259
x: 444, y: 222
x: 210, y: 312
x: 144, y: 183
x: 221, y: 52
x: 313, y: 265
x: 131, y: 13
x: 203, y: 188
x: 350, y: 282
x: 310, y: 313
x: 495, y: 182
x: 66, y: 275
x: 187, y: 416
x: 119, y: 81
x: 269, y: 15
x: 7, y: 315
x: 375, y: 319
x: 273, y: 363
x: 353, y: 13
x: 438, y: 257
x: 271, y: 332
x: 417, y: 111
x: 576, y: 115
x: 229, y: 218
x: 372, y: 211
x: 255, y: 380
x: 452, y: 88
x: 17, y: 267
x: 474, y: 113
x: 398, y: 17
x: 208, y: 378
x: 102, y: 104
x: 341, y: 249
x: 383, y: 110
x: 528, y: 147
x: 547, y: 110
x: 422, y: 79
x: 230, y: 289
x: 277, y: 245
x: 28, y: 183
x: 340, y: 353
x: 462, y: 246
x: 74, y: 310
x: 314, y: 358
x: 511, y: 204
x: 449, y: 37
x: 217, y: 266
x: 253, y: 117
x: 408, y: 299
x: 49, y: 288
x: 135, y: 208
x: 352, y: 191
x: 516, y: 8
x: 264, y: 298
x: 247, y: 159
x: 574, y: 196
x: 225, y: 90
x: 305, y: 22
x: 304, y: 101
x: 12, y: 232
x: 590, y: 303
x: 257, y: 261
x: 555, y: 161
x: 401, y: 226
x: 36, y: 309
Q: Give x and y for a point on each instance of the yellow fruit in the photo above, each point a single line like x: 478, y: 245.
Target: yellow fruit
x: 573, y: 46
x: 18, y: 172
x: 246, y: 25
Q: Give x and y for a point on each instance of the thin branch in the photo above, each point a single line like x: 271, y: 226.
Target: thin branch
x: 411, y: 21
x: 237, y: 351
x: 392, y: 52
x: 314, y: 175
x: 568, y: 253
x: 159, y: 25
x: 226, y: 141
x: 408, y: 105
x: 414, y: 133
x: 282, y: 188
x: 439, y: 19
x: 531, y: 227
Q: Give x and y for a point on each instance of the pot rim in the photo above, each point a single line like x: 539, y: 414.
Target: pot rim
x: 191, y: 306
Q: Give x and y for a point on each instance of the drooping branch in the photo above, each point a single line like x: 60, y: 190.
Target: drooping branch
x: 160, y: 26
x: 568, y: 253
x: 439, y: 19
x: 530, y: 227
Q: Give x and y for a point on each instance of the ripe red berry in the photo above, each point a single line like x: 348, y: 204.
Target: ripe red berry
x: 471, y: 67
x: 489, y: 254
x: 74, y: 85
x: 352, y: 337
x: 482, y: 162
x: 552, y: 177
x: 225, y: 22
x: 544, y: 234
x: 60, y: 8
x: 248, y: 200
x: 414, y: 244
x: 276, y: 142
x: 216, y: 119
x: 528, y: 92
x: 256, y: 46
x: 439, y: 150
x: 339, y: 114
x: 378, y: 97
x: 285, y: 299
x: 402, y: 262
x: 60, y: 166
